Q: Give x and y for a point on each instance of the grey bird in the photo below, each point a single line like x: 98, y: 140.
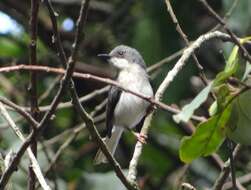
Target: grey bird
x: 125, y: 110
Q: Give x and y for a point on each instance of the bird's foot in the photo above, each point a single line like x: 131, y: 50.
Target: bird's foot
x: 140, y: 137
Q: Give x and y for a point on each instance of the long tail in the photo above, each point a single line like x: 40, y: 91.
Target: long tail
x: 111, y: 144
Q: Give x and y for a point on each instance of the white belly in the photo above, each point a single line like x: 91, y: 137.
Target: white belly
x: 129, y: 110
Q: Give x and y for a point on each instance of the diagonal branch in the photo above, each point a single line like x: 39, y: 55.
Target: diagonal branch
x: 35, y: 166
x: 219, y: 182
x: 84, y: 115
x: 21, y: 111
x: 63, y: 85
x: 95, y: 135
x: 235, y: 39
x: 184, y: 37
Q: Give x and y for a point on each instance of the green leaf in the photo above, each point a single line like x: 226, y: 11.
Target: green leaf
x: 230, y: 68
x: 206, y: 139
x: 213, y: 108
x: 239, y: 125
x: 231, y: 65
x: 247, y: 71
x: 188, y: 110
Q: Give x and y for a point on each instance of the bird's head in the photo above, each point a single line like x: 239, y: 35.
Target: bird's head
x: 124, y: 57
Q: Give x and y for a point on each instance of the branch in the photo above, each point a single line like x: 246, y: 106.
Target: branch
x: 160, y: 63
x: 73, y: 134
x: 163, y: 86
x: 96, y: 78
x: 95, y: 135
x: 35, y: 166
x: 69, y: 71
x: 33, y: 82
x: 184, y: 37
x: 227, y: 15
x: 186, y: 55
x: 82, y: 99
x: 98, y: 119
x: 21, y: 111
x: 63, y: 85
x: 232, y: 35
x: 48, y: 90
x: 84, y: 115
x: 225, y: 171
x: 245, y: 179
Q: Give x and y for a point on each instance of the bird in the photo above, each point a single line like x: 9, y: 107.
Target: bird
x: 125, y: 110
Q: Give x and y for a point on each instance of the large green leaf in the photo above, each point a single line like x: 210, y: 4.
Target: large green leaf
x: 207, y: 138
x: 239, y: 125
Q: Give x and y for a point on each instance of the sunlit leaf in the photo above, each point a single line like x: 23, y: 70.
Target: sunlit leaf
x: 188, y: 110
x: 247, y: 71
x: 231, y: 65
x: 213, y: 108
x: 230, y: 68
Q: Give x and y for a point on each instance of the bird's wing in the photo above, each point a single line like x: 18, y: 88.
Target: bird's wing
x: 113, y: 98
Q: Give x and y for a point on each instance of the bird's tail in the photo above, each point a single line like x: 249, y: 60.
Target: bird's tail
x: 111, y: 145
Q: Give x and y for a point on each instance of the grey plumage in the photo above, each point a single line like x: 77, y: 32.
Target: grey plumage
x: 125, y: 110
x: 130, y: 54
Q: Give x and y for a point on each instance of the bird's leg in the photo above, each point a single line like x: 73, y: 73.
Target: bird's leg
x: 140, y: 137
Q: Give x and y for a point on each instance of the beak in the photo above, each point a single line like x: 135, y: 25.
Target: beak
x: 104, y: 56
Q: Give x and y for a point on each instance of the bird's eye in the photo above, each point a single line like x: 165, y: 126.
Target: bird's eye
x: 121, y: 53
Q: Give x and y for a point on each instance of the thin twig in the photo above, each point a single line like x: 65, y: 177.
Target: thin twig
x: 231, y: 159
x: 95, y: 135
x: 162, y: 88
x: 100, y: 79
x: 5, y: 125
x: 48, y: 90
x: 33, y: 83
x: 73, y: 134
x: 245, y: 179
x: 219, y: 182
x: 77, y: 129
x: 59, y: 151
x: 235, y: 39
x: 35, y: 166
x: 185, y: 39
x: 160, y: 63
x: 82, y: 99
x: 21, y: 111
x: 88, y: 120
x: 64, y: 83
x: 227, y: 15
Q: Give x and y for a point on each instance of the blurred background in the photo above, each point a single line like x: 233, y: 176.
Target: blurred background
x: 144, y: 25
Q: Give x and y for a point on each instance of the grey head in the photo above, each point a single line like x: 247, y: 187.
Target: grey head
x: 124, y: 56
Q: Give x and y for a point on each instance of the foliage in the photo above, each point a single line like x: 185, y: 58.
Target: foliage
x: 209, y: 135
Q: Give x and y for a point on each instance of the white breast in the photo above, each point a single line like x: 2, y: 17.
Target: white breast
x: 131, y: 109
